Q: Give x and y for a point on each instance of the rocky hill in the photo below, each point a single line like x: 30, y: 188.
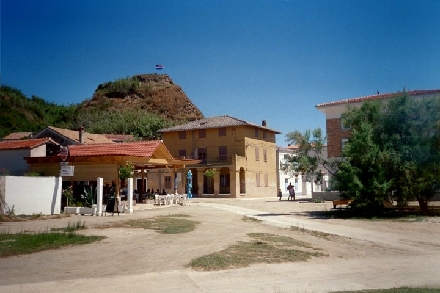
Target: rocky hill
x: 152, y: 93
x: 138, y: 105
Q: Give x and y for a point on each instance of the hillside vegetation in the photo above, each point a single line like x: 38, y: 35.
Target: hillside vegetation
x: 19, y: 113
x: 138, y: 105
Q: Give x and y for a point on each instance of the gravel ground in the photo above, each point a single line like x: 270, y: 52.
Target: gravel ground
x: 359, y: 254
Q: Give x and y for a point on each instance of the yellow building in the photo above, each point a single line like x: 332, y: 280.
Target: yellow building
x: 241, y: 154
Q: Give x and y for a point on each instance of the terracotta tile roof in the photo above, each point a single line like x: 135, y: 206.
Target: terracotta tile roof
x: 134, y: 149
x: 24, y: 144
x: 89, y: 138
x: 377, y: 97
x: 214, y: 122
x: 18, y: 135
x: 120, y: 137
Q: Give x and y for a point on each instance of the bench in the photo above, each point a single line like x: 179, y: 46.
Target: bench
x: 390, y: 206
x: 341, y: 202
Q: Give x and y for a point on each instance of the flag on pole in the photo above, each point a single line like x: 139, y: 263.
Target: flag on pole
x: 159, y: 67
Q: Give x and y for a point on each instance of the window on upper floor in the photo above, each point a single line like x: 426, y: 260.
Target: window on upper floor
x: 202, y: 154
x: 344, y: 124
x: 222, y: 131
x: 343, y: 142
x: 182, y: 153
x: 265, y: 155
x: 257, y: 133
x: 222, y: 153
x: 264, y: 134
x: 202, y: 133
x: 182, y: 134
x: 257, y: 153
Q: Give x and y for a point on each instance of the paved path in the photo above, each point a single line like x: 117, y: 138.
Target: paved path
x: 283, y: 221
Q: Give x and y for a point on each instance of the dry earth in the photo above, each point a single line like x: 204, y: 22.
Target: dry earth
x: 361, y: 254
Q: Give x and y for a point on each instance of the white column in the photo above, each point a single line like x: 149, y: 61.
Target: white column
x: 325, y: 183
x: 130, y: 195
x: 99, y: 196
x: 308, y: 188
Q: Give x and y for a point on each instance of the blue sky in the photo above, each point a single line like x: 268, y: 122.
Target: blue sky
x: 250, y: 59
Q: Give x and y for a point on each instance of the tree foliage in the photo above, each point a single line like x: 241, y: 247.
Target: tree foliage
x: 393, y: 151
x: 119, y: 87
x: 138, y: 123
x: 309, y: 154
x: 20, y: 113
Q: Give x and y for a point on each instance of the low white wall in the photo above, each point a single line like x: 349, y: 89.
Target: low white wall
x: 326, y: 195
x: 32, y: 195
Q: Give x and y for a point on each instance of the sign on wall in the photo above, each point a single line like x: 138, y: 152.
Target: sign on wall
x: 67, y: 170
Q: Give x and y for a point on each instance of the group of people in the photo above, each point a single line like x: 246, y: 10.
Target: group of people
x: 291, y: 190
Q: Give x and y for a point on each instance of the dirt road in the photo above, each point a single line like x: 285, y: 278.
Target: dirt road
x: 361, y: 254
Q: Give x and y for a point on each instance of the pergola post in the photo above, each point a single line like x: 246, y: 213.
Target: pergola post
x: 99, y: 196
x: 130, y: 195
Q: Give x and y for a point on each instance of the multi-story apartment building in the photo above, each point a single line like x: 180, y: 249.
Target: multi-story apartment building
x: 242, y: 154
x: 338, y: 133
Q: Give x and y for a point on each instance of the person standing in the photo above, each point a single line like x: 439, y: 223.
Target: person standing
x: 291, y: 190
x: 280, y: 193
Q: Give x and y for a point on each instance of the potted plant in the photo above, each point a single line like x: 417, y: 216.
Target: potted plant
x: 88, y: 199
x: 126, y: 171
x: 71, y: 206
x: 210, y: 172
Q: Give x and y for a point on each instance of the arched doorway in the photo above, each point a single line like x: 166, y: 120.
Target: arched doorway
x: 242, y: 181
x: 208, y: 184
x: 195, y: 186
x: 225, y: 181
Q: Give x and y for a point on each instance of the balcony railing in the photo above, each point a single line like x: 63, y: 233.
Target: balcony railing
x: 215, y: 160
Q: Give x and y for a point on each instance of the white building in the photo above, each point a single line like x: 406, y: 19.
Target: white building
x: 287, y: 175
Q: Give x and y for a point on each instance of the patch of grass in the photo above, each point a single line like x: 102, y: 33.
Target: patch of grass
x: 72, y: 227
x: 36, y: 216
x: 171, y: 224
x: 264, y: 248
x: 396, y: 290
x: 178, y: 215
x: 26, y: 243
x: 10, y: 218
x: 318, y: 234
x: 250, y: 219
x: 319, y: 200
x: 21, y: 218
x: 279, y: 241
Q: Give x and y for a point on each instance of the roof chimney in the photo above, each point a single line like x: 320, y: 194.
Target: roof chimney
x: 81, y: 135
x: 264, y: 123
